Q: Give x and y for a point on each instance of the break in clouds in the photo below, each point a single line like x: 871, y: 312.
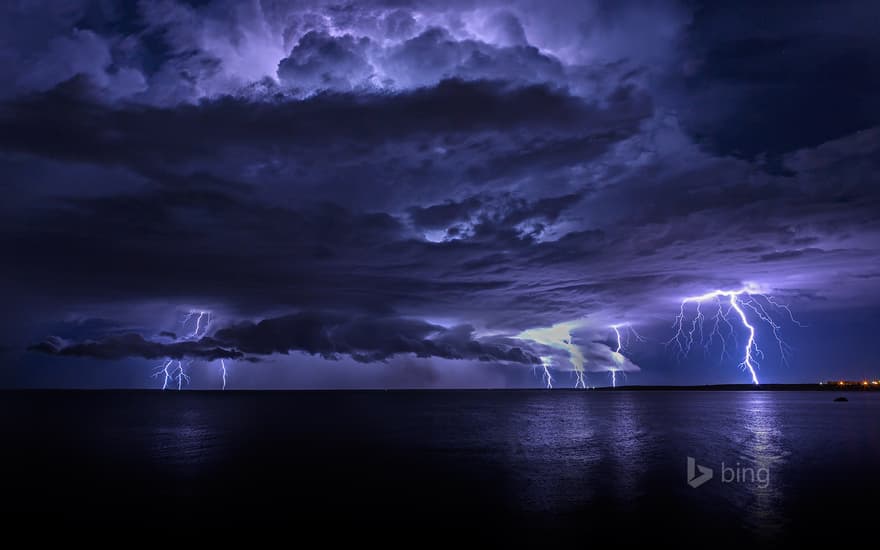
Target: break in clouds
x: 379, y: 183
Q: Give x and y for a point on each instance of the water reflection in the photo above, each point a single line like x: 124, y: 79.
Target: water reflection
x: 577, y: 448
x: 604, y: 462
x: 761, y: 462
x: 556, y: 453
x: 184, y: 438
x: 627, y: 443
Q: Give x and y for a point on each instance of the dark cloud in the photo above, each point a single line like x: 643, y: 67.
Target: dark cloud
x: 66, y: 123
x: 443, y: 215
x: 134, y: 345
x: 788, y: 254
x: 144, y: 244
x: 428, y: 178
x: 548, y: 209
x: 327, y: 335
x: 366, y: 339
x: 506, y: 260
x: 488, y: 212
x: 323, y: 62
x: 802, y: 77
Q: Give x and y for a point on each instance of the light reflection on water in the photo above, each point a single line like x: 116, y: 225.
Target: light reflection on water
x: 541, y: 452
x: 184, y: 438
x: 557, y: 448
x: 630, y: 443
x: 761, y: 447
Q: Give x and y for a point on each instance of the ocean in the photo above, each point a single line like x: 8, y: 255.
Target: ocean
x: 593, y: 463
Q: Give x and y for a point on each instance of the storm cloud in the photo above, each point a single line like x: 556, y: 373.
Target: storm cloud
x: 328, y: 335
x: 426, y: 180
x: 134, y: 345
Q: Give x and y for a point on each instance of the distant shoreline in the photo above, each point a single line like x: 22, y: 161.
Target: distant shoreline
x: 751, y: 387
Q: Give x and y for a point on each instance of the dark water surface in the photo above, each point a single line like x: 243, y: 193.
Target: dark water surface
x: 606, y: 463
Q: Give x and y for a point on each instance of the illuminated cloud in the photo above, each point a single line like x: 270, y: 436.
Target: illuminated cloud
x: 589, y: 354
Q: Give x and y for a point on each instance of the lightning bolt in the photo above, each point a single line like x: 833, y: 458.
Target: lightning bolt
x: 198, y: 323
x: 181, y: 375
x: 200, y: 327
x: 731, y: 304
x: 545, y: 363
x: 162, y: 370
x: 580, y: 380
x: 618, y: 353
x: 558, y: 336
x: 617, y: 333
x: 616, y: 329
x: 197, y: 328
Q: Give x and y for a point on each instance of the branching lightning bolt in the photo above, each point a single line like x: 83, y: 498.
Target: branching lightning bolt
x: 181, y: 375
x: 162, y: 370
x: 558, y: 336
x: 617, y: 351
x: 198, y: 328
x: 726, y: 303
x: 545, y: 363
x: 201, y: 321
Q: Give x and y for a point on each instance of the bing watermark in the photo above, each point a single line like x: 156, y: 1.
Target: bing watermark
x: 698, y: 475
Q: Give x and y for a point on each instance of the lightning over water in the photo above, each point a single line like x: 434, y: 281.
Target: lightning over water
x: 180, y: 375
x: 200, y: 325
x: 559, y: 337
x: 726, y: 308
x: 162, y: 370
x: 174, y: 371
x: 616, y: 355
x: 548, y: 379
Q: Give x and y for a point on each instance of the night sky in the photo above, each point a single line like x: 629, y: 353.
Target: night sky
x: 434, y: 194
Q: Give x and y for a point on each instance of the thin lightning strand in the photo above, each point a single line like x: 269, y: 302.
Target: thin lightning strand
x: 197, y: 328
x: 558, y: 336
x: 198, y: 323
x: 181, y: 375
x: 737, y: 301
x: 747, y: 361
x: 162, y: 370
x: 624, y: 338
x: 617, y: 332
x: 620, y: 345
x: 545, y: 362
x: 617, y: 351
x: 201, y: 326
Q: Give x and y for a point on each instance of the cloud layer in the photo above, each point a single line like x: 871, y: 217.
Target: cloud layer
x: 425, y: 180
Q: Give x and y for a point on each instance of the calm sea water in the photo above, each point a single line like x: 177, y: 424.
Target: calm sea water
x: 601, y: 462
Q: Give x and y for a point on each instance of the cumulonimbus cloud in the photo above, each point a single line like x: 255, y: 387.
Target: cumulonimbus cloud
x: 135, y: 345
x: 325, y: 334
